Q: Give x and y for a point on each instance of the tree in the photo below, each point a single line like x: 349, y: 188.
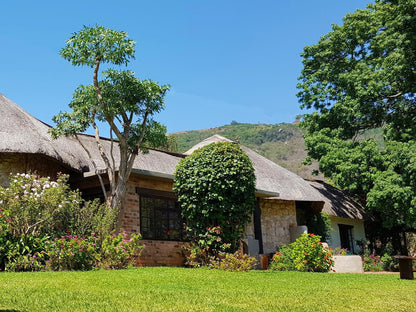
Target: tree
x: 121, y: 100
x: 361, y: 76
x: 216, y: 188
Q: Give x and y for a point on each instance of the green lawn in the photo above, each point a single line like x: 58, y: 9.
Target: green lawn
x: 179, y: 289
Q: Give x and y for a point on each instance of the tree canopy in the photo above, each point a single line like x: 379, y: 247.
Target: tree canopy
x: 362, y: 76
x: 216, y: 188
x: 123, y: 101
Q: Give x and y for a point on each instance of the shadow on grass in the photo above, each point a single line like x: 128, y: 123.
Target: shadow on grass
x: 11, y: 310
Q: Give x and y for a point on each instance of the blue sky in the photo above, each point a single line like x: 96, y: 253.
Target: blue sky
x: 225, y: 60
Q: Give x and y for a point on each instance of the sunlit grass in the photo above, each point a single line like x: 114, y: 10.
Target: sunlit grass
x: 179, y: 289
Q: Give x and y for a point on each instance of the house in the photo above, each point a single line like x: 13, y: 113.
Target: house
x: 150, y: 204
x: 347, y: 217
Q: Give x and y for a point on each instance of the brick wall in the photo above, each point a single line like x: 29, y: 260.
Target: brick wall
x: 156, y: 253
x: 162, y: 253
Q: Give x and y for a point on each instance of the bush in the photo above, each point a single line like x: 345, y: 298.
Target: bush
x: 203, y: 246
x: 319, y: 224
x: 235, y: 262
x: 120, y: 251
x: 216, y: 187
x: 34, y: 205
x: 25, y: 253
x: 375, y: 263
x: 282, y: 260
x: 72, y: 253
x: 305, y: 254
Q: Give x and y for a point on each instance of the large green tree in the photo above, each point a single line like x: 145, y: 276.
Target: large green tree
x: 362, y: 76
x: 120, y: 99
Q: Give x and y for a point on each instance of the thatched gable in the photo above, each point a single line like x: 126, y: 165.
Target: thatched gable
x: 270, y: 177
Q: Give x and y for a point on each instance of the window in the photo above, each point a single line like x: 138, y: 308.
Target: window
x: 160, y: 216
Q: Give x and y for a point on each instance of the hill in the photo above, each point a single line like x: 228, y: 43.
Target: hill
x: 282, y: 143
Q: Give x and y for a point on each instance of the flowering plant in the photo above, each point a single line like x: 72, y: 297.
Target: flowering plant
x: 305, y: 254
x: 205, y: 246
x: 120, y: 251
x: 72, y: 253
x: 32, y: 204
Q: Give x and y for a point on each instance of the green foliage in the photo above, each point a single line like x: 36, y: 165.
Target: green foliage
x: 25, y: 253
x: 216, y: 188
x: 234, y: 262
x: 358, y: 78
x: 306, y: 254
x: 319, y: 224
x: 120, y: 251
x: 98, y: 43
x: 123, y: 101
x: 71, y: 252
x: 203, y: 246
x: 38, y: 205
x: 33, y: 209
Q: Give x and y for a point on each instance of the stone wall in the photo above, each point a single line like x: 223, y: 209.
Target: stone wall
x: 25, y: 163
x: 276, y: 218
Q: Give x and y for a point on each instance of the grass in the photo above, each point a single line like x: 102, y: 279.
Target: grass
x: 179, y: 289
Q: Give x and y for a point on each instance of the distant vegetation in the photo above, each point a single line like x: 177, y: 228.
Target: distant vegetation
x: 282, y: 143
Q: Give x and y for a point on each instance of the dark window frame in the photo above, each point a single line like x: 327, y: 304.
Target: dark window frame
x: 160, y: 215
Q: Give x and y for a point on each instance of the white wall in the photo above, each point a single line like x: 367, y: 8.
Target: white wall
x: 358, y: 232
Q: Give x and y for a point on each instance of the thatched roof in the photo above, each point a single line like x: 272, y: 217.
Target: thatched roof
x: 154, y: 162
x: 20, y: 132
x: 338, y: 203
x: 270, y: 177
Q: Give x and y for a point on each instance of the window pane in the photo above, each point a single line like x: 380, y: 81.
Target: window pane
x: 160, y: 218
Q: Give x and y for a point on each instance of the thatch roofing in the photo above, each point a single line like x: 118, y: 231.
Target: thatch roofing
x: 20, y: 132
x: 337, y: 203
x: 270, y: 177
x: 154, y: 162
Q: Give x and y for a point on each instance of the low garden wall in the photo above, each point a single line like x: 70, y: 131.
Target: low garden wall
x: 348, y: 264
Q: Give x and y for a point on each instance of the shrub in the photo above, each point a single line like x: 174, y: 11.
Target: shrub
x: 26, y: 263
x: 120, y: 251
x: 72, y: 253
x: 305, y: 254
x: 38, y: 205
x: 282, y: 260
x: 25, y: 253
x: 235, y: 262
x: 203, y: 246
x: 216, y: 187
x: 34, y: 205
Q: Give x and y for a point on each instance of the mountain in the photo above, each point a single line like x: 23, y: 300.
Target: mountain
x: 282, y: 143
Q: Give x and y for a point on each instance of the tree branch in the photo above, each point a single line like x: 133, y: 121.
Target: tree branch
x: 95, y: 168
